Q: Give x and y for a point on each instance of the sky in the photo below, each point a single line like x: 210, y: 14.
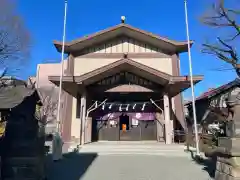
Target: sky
x: 44, y: 20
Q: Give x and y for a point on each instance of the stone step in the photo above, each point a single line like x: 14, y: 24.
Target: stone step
x: 132, y: 143
x: 140, y: 153
x: 132, y: 148
x: 127, y: 152
x: 127, y: 148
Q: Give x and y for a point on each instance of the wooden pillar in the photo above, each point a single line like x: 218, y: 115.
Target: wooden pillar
x: 172, y: 117
x: 83, y: 117
x: 168, y: 132
x: 88, y: 123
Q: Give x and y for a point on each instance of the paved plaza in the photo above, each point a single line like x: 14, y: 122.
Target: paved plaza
x: 90, y: 166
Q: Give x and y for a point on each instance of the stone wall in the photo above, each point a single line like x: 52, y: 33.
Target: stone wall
x: 226, y: 171
x: 228, y: 160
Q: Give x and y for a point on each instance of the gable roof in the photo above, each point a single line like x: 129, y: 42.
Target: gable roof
x: 213, y: 92
x: 123, y: 29
x: 14, y: 92
x: 126, y: 64
x: 174, y: 84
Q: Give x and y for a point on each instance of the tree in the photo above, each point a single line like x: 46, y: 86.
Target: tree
x: 46, y: 114
x: 227, y: 19
x: 14, y: 38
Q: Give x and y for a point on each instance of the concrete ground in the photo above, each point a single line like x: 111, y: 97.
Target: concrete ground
x: 90, y: 166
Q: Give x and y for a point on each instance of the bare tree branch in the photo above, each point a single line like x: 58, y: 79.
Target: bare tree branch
x: 223, y: 18
x: 14, y: 38
x: 46, y: 114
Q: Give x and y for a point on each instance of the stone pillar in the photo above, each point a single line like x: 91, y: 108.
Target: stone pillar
x: 228, y: 160
x: 168, y: 133
x: 233, y: 125
x: 83, y: 117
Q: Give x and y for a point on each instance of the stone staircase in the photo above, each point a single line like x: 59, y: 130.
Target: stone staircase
x: 133, y: 148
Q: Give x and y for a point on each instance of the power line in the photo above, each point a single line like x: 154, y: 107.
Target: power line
x: 222, y: 69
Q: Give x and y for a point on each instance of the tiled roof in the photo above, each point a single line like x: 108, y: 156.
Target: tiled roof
x: 218, y: 90
x: 13, y: 92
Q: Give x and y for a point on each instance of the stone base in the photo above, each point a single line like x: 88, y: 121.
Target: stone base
x: 24, y: 168
x: 231, y: 145
x: 222, y: 176
x: 228, y: 166
x: 226, y: 172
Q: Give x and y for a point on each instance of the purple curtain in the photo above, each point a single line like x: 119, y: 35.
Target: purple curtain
x: 138, y: 116
x: 142, y: 116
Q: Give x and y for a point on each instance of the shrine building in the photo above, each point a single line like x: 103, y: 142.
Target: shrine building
x: 122, y: 84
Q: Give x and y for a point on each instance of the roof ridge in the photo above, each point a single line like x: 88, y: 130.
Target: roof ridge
x: 207, y: 93
x: 94, y: 33
x: 127, y: 26
x: 179, y: 44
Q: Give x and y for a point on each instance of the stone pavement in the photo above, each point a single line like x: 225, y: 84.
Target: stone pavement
x: 128, y: 161
x: 90, y: 166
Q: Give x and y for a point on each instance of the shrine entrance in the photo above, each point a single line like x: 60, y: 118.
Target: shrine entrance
x: 128, y: 114
x: 122, y: 118
x: 124, y: 127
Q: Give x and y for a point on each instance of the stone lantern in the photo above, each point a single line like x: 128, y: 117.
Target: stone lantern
x: 228, y: 150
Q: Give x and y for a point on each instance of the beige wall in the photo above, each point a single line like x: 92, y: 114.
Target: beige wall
x: 48, y: 69
x: 45, y: 86
x: 53, y: 69
x: 123, y: 44
x: 85, y: 65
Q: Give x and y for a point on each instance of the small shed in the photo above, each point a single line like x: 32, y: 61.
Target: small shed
x: 22, y: 150
x: 215, y: 98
